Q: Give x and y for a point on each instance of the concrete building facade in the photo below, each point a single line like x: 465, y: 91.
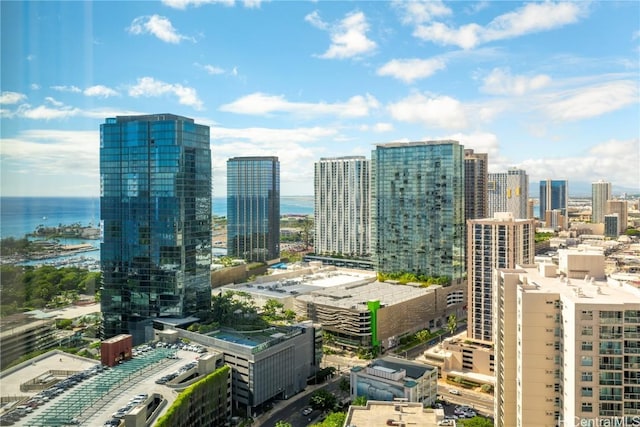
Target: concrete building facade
x: 498, y: 242
x: 341, y: 206
x: 619, y: 207
x: 600, y: 193
x: 390, y: 378
x: 508, y: 192
x: 566, y: 350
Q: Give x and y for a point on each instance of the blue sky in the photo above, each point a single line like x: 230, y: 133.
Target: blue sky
x: 550, y: 87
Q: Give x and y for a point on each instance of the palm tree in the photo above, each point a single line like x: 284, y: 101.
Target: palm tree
x: 452, y: 323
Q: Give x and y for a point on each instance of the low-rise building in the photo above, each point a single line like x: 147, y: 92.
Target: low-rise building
x: 390, y: 378
x: 375, y: 414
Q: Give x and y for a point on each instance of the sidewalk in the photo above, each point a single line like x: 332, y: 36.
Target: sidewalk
x: 281, y: 404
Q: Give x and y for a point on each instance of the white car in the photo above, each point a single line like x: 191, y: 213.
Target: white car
x: 454, y: 391
x: 307, y: 411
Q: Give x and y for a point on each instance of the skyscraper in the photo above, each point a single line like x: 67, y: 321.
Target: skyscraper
x: 417, y: 208
x: 342, y: 224
x: 253, y: 208
x: 600, y: 193
x: 498, y: 242
x: 155, y: 209
x: 475, y: 184
x: 554, y: 196
x: 509, y: 192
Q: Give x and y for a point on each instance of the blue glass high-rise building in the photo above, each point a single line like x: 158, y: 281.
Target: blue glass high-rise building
x: 253, y: 208
x: 417, y: 208
x: 554, y: 196
x: 155, y: 209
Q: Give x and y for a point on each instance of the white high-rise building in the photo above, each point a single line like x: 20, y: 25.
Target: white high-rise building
x: 342, y: 214
x: 600, y: 193
x: 498, y: 242
x: 567, y: 349
x: 508, y: 192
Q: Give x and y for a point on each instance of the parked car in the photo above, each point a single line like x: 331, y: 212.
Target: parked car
x: 454, y: 391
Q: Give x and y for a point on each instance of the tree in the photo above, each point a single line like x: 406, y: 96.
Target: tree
x: 452, y: 323
x: 334, y: 419
x: 322, y: 399
x: 423, y: 335
x: 360, y: 401
x: 476, y: 422
x: 281, y: 423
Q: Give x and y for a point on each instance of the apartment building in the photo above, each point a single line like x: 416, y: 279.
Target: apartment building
x: 341, y: 206
x: 567, y: 351
x: 508, y: 192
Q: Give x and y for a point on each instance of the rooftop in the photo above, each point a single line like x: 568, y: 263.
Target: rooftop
x: 377, y: 413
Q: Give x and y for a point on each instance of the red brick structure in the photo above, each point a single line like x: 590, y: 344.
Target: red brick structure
x: 116, y: 349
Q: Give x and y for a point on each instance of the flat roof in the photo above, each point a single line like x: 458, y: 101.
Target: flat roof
x: 580, y: 291
x: 377, y: 413
x: 414, y: 370
x: 281, y: 285
x: 357, y: 296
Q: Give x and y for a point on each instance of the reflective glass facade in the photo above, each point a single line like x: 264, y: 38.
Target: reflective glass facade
x: 553, y: 195
x: 417, y: 208
x: 253, y: 208
x: 155, y: 209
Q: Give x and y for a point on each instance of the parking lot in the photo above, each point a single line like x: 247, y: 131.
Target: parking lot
x: 101, y: 396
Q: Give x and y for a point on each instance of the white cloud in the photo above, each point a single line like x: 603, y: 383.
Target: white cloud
x: 183, y: 4
x: 348, y: 37
x: 500, y: 82
x: 432, y: 111
x: 72, y: 89
x: 382, y: 127
x: 43, y: 112
x: 7, y: 97
x: 211, y: 69
x: 150, y: 87
x: 54, y: 102
x: 50, y: 161
x: 531, y: 18
x: 260, y: 104
x: 100, y: 91
x: 409, y: 70
x: 158, y: 26
x: 619, y: 158
x: 418, y: 12
x: 34, y: 86
x: 591, y: 101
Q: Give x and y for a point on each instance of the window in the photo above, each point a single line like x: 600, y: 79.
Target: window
x: 587, y: 345
x: 587, y: 392
x: 587, y: 407
x: 587, y: 330
x: 587, y: 376
x: 586, y: 360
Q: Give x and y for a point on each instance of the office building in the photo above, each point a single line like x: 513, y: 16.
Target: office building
x: 475, y: 184
x: 155, y: 208
x: 390, y: 378
x: 600, y: 193
x: 417, y: 212
x: 509, y: 192
x: 554, y: 196
x: 566, y: 349
x: 341, y: 207
x: 618, y: 207
x: 253, y: 208
x: 267, y: 365
x: 612, y: 225
x: 498, y: 242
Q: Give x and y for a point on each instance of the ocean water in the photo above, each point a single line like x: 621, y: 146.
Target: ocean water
x: 21, y: 215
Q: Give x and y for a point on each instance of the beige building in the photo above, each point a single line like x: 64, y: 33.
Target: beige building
x: 618, y: 207
x: 567, y: 351
x: 498, y: 242
x: 398, y: 413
